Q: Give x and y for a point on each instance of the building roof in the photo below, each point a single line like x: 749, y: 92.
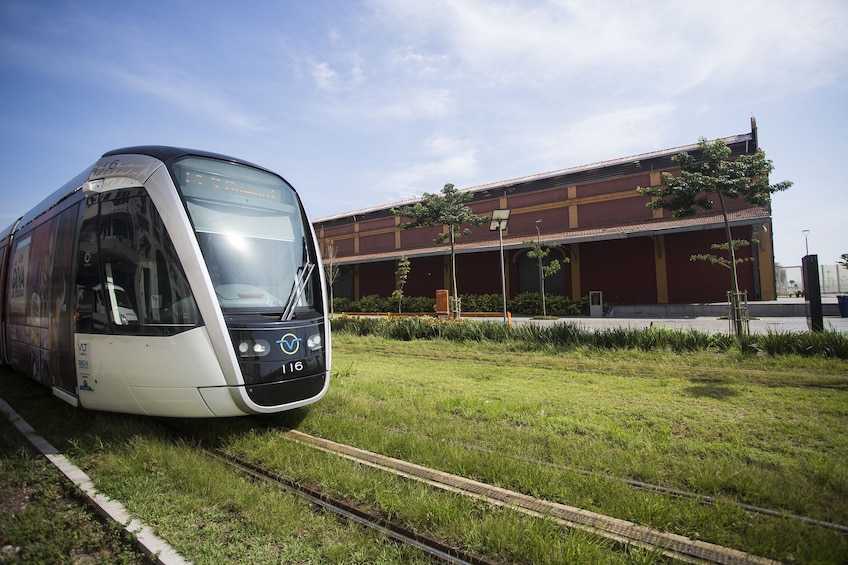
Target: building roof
x: 653, y: 161
x: 748, y: 216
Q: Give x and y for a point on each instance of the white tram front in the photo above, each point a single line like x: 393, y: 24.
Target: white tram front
x: 168, y: 282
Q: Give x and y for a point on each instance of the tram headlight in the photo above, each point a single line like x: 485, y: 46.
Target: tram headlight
x: 254, y: 348
x: 313, y: 342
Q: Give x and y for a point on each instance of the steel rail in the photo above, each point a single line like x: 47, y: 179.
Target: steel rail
x: 681, y: 493
x: 391, y: 529
x: 650, y: 487
x: 621, y: 531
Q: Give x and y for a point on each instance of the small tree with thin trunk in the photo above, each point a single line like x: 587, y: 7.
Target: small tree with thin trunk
x: 447, y: 209
x: 720, y: 259
x: 539, y: 252
x: 401, y: 274
x: 331, y: 268
x: 715, y: 176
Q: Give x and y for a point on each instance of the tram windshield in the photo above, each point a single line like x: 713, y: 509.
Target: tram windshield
x: 252, y: 235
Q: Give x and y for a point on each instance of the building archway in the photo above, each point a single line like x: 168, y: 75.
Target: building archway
x: 527, y: 274
x: 343, y: 287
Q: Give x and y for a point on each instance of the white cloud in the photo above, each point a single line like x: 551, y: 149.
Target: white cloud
x: 418, y: 64
x: 441, y: 160
x: 603, y: 136
x: 149, y: 68
x: 416, y: 104
x: 325, y: 77
x: 664, y: 46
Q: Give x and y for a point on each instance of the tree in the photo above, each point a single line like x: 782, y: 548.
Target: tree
x: 711, y: 176
x: 844, y: 260
x: 401, y: 274
x: 331, y: 269
x: 447, y: 209
x: 540, y: 251
x: 720, y: 260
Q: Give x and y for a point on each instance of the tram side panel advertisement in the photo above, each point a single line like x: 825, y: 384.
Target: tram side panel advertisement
x: 63, y: 236
x: 36, y: 294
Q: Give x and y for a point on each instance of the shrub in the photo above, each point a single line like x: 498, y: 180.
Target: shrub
x: 376, y: 303
x: 423, y: 304
x: 482, y: 303
x: 530, y: 304
x: 579, y: 307
x: 526, y: 303
x: 342, y: 304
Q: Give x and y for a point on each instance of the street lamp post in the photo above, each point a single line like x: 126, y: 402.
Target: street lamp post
x: 806, y: 240
x: 500, y: 218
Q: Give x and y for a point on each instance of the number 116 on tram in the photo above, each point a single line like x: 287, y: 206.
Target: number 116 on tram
x: 168, y: 282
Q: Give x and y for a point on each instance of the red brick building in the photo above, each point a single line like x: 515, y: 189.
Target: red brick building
x: 615, y: 243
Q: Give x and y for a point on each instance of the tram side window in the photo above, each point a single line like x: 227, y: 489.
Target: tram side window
x: 138, y: 286
x: 88, y: 275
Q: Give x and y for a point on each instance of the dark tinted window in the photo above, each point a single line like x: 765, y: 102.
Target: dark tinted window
x: 129, y: 277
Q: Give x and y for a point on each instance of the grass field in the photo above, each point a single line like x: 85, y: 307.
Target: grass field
x: 766, y: 431
x: 762, y: 430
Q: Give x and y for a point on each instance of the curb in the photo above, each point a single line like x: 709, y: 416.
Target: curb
x: 144, y: 537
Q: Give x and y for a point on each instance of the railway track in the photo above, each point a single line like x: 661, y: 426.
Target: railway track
x: 621, y: 531
x: 394, y: 530
x: 641, y: 485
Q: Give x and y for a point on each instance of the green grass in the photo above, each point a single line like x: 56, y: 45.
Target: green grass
x: 564, y: 425
x: 44, y: 520
x: 764, y: 431
x: 209, y: 513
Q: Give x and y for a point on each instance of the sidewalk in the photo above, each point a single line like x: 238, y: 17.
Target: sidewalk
x: 708, y: 324
x: 710, y: 318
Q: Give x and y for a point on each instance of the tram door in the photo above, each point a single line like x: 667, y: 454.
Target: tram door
x: 4, y: 258
x: 62, y: 361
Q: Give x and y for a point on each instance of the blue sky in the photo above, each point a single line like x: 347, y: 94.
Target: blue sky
x: 365, y: 103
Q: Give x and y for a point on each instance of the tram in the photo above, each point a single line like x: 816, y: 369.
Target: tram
x: 168, y: 282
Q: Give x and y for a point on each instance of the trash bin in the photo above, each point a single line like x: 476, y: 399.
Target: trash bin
x: 442, y: 302
x: 596, y: 303
x: 843, y: 305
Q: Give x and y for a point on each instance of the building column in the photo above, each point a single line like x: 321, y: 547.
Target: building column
x: 573, y: 221
x: 765, y: 261
x: 356, y: 238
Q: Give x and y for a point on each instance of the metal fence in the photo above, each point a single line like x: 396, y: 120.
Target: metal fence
x: 832, y: 278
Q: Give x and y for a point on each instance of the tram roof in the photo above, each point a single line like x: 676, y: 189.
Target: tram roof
x: 163, y: 153
x: 167, y: 153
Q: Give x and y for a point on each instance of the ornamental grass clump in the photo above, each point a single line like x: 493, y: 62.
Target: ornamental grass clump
x: 408, y: 329
x: 570, y: 335
x: 808, y: 344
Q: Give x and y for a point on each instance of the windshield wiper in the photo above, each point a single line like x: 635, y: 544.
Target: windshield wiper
x: 297, y: 290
